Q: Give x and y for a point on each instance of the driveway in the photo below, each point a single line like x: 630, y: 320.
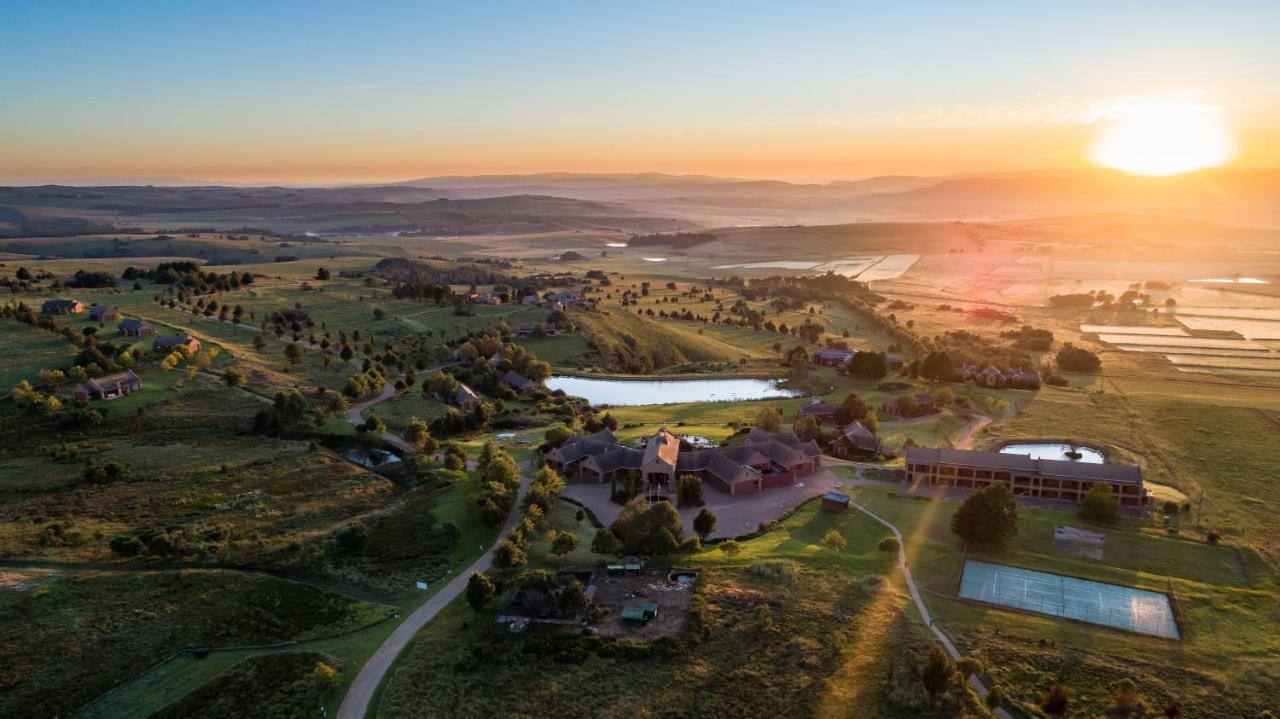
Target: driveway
x: 356, y: 703
x: 735, y: 515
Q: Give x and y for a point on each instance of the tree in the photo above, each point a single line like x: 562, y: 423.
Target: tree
x: 731, y: 547
x: 564, y: 543
x: 480, y: 591
x: 417, y: 434
x: 852, y: 408
x: 889, y: 544
x: 322, y: 274
x: 833, y: 540
x: 988, y: 516
x: 1057, y: 702
x: 943, y: 397
x: 258, y: 342
x: 289, y: 406
x: 1100, y: 504
x: 379, y: 313
x: 557, y: 435
x: 509, y: 554
x: 769, y: 420
x: 806, y: 428
x: 1077, y: 359
x: 689, y: 490
x: 938, y: 672
x: 649, y: 530
x: 372, y: 424
x: 233, y: 377
x: 605, y: 542
x: 293, y: 353
x: 937, y: 366
x: 705, y: 523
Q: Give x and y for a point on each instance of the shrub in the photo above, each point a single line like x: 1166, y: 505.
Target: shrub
x: 780, y: 571
x: 731, y: 547
x: 604, y: 542
x: 1100, y: 504
x: 889, y: 544
x: 126, y: 546
x: 1057, y: 701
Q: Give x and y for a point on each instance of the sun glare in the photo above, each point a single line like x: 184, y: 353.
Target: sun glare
x: 1162, y: 136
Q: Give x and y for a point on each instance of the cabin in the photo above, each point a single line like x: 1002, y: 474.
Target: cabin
x: 823, y: 412
x: 103, y: 313
x: 518, y: 382
x: 109, y: 386
x: 62, y: 307
x: 169, y: 343
x: 835, y: 502
x: 832, y: 357
x: 135, y: 328
x: 464, y: 398
x: 856, y: 440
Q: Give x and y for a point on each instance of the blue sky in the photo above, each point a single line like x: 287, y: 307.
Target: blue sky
x: 298, y: 89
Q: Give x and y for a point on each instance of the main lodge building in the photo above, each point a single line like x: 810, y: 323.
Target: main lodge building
x: 1027, y: 477
x: 762, y: 460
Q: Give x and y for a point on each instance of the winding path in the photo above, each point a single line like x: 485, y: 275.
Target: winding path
x: 356, y: 703
x: 946, y: 642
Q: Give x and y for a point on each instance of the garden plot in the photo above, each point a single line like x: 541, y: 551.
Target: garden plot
x: 1133, y: 330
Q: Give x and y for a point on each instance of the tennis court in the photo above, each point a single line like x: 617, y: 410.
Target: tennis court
x: 1133, y: 610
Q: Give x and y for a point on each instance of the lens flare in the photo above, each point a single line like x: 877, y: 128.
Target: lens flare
x: 1162, y: 136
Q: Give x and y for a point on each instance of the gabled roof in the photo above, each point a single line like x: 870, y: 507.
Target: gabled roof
x: 662, y: 446
x: 133, y: 324
x: 859, y: 436
x: 617, y: 458
x: 515, y: 379
x: 110, y: 381
x: 172, y: 340
x: 464, y: 394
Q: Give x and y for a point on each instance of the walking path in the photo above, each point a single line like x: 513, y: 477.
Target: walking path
x: 356, y: 703
x: 946, y: 642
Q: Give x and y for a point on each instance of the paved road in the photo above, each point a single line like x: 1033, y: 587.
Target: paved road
x: 974, y: 681
x: 356, y: 703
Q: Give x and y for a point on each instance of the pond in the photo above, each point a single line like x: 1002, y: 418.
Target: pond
x: 629, y: 392
x: 369, y: 458
x: 1056, y: 450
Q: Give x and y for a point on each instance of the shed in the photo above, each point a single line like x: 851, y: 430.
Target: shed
x: 835, y: 502
x: 634, y: 615
x: 650, y: 610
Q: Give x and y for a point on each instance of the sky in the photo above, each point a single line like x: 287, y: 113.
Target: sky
x: 374, y: 91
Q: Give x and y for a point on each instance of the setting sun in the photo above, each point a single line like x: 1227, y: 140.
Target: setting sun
x: 1162, y: 136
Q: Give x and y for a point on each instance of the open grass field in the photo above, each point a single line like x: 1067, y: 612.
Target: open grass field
x: 69, y: 638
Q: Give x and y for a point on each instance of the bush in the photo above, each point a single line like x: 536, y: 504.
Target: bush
x: 126, y: 546
x: 889, y: 544
x: 1100, y: 504
x: 780, y: 571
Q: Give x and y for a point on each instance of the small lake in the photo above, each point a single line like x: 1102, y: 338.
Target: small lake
x: 628, y: 392
x: 1054, y: 450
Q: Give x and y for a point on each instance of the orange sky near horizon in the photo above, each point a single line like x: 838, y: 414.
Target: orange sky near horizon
x: 807, y: 154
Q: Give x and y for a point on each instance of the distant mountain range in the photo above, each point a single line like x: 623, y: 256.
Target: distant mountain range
x: 642, y: 202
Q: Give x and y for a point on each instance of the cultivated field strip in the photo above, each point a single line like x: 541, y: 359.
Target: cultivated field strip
x: 1192, y: 351
x: 1270, y: 364
x: 1251, y: 329
x: 1182, y: 342
x: 1133, y: 330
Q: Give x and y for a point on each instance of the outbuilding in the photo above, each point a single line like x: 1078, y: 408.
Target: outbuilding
x: 835, y: 502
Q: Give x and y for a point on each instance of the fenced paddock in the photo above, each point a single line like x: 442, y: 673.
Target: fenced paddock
x: 1127, y: 608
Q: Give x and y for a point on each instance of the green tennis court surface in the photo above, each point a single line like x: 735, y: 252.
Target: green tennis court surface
x: 1133, y: 610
